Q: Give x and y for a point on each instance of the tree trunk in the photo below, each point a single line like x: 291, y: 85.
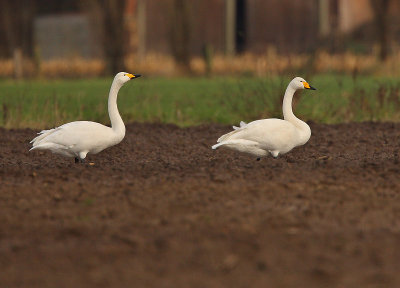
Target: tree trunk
x: 323, y: 18
x: 109, y: 15
x: 141, y: 28
x: 230, y: 26
x: 180, y: 33
x: 381, y: 9
x: 16, y: 19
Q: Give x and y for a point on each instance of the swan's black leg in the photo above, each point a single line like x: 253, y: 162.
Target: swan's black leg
x: 258, y: 159
x: 79, y: 160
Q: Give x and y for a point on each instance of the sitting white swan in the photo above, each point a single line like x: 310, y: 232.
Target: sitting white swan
x: 275, y: 136
x: 76, y: 139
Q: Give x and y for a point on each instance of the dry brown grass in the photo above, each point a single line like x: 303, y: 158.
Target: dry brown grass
x: 270, y: 63
x: 72, y: 68
x: 75, y: 67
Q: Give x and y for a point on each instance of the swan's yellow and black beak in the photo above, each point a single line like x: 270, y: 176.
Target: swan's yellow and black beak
x: 307, y: 86
x: 132, y: 76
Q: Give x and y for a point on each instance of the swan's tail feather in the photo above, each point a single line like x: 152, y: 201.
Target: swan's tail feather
x: 38, y: 138
x: 42, y: 134
x: 227, y: 135
x: 239, y: 142
x: 243, y: 145
x: 234, y: 142
x: 34, y: 148
x: 41, y: 146
x: 236, y: 129
x: 48, y: 146
x: 217, y: 145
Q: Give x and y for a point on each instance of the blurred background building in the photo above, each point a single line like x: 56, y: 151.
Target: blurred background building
x: 45, y: 30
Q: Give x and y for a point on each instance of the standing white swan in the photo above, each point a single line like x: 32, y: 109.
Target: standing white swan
x: 275, y: 136
x: 77, y: 139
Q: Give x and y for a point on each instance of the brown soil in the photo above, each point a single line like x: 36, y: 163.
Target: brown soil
x: 162, y: 209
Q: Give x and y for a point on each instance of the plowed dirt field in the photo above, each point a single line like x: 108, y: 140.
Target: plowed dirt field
x: 162, y: 209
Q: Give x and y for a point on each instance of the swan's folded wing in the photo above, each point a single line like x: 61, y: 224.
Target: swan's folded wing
x: 242, y: 131
x: 270, y: 132
x: 67, y: 135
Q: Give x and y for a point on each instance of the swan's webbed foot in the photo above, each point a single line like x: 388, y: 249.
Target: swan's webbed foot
x: 258, y: 159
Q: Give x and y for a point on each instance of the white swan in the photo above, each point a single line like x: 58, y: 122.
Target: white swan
x: 275, y: 136
x: 77, y: 139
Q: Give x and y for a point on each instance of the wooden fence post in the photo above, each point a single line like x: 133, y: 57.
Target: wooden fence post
x: 18, y: 68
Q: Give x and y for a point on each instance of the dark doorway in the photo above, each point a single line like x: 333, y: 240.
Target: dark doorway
x: 240, y: 37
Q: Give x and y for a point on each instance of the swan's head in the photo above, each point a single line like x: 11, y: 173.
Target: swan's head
x: 299, y: 83
x: 123, y: 77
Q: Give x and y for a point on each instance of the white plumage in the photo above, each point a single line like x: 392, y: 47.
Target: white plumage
x: 275, y: 136
x: 241, y: 125
x: 77, y: 139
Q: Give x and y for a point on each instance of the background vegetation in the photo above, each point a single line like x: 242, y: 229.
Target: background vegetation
x: 193, y: 101
x: 354, y: 68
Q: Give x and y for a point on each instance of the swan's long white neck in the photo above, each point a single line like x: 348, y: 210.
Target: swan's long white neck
x: 288, y: 112
x: 117, y: 124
